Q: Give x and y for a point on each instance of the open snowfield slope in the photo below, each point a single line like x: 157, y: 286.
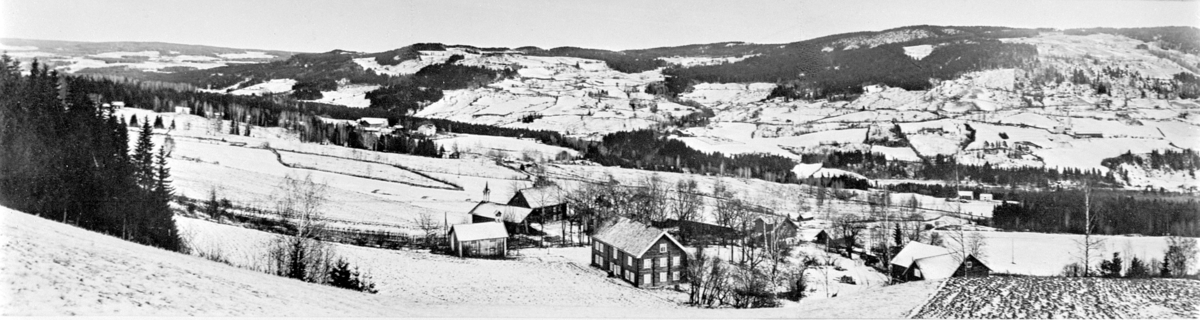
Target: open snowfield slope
x: 1071, y: 298
x: 54, y: 269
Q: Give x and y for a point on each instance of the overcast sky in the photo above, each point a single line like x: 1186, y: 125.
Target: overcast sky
x: 364, y: 25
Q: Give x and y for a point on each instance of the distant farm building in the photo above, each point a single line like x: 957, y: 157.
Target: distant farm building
x: 1088, y: 134
x: 779, y: 229
x: 640, y: 254
x: 986, y: 197
x: 427, y: 129
x: 1061, y: 130
x: 479, y: 240
x: 966, y: 195
x: 919, y: 261
x: 545, y: 202
x: 373, y: 122
x: 812, y: 235
x: 514, y: 218
x: 183, y: 110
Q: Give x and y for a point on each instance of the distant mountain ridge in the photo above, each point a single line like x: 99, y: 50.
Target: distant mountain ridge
x: 835, y: 66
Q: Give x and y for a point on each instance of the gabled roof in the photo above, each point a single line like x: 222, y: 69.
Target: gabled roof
x: 937, y: 267
x: 809, y: 234
x: 632, y: 237
x: 541, y: 197
x: 507, y: 213
x: 916, y: 250
x: 478, y: 231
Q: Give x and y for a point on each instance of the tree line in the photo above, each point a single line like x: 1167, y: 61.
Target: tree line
x: 66, y: 158
x: 1062, y: 211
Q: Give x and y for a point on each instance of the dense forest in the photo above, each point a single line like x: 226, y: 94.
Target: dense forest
x: 649, y: 150
x: 66, y: 158
x: 1113, y: 213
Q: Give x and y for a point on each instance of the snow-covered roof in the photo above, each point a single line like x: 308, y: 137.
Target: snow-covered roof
x: 478, y: 231
x: 632, y: 237
x: 808, y: 234
x: 507, y: 213
x: 541, y: 196
x: 382, y: 122
x: 916, y: 250
x: 937, y: 267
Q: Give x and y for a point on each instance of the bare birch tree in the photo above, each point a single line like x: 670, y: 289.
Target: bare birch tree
x: 300, y: 254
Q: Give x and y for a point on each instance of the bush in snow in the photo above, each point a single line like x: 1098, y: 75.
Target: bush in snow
x: 1111, y: 268
x: 342, y: 276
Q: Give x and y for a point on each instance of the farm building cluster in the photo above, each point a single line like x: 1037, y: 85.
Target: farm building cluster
x: 655, y: 254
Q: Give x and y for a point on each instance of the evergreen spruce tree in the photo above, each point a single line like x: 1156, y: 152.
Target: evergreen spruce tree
x: 143, y: 158
x: 158, y: 123
x: 162, y: 226
x: 133, y: 121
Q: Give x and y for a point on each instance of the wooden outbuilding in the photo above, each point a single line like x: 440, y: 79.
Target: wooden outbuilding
x: 546, y: 202
x: 488, y: 240
x: 919, y: 261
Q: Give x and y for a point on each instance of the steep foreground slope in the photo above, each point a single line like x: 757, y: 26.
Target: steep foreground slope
x: 55, y: 269
x: 51, y: 268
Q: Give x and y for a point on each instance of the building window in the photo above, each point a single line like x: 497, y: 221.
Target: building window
x: 675, y: 261
x: 597, y: 246
x: 614, y: 254
x: 662, y: 248
x: 646, y: 279
x: 629, y: 261
x: 675, y: 275
x: 599, y: 259
x: 662, y: 262
x: 662, y: 277
x: 646, y: 263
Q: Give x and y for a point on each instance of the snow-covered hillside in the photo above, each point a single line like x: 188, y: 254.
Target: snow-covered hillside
x: 53, y: 269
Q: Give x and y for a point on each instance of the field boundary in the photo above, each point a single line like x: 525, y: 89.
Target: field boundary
x: 913, y: 313
x: 279, y: 157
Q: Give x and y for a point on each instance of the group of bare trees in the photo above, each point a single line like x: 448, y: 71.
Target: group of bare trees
x: 300, y: 253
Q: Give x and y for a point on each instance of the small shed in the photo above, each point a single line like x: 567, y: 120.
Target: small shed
x: 183, y: 110
x: 479, y: 240
x: 986, y: 197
